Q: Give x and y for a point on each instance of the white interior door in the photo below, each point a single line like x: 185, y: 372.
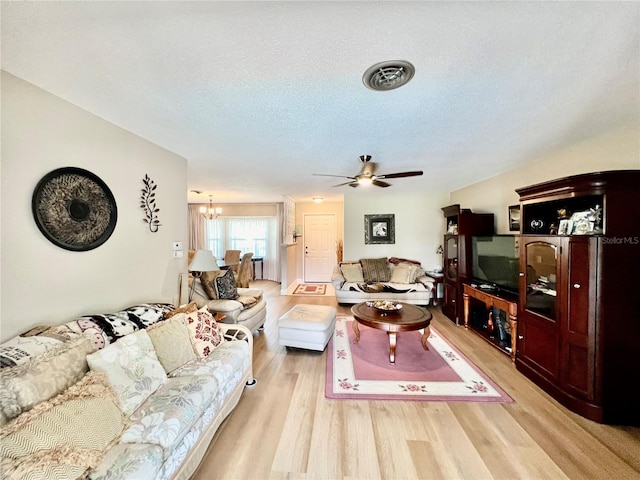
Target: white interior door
x: 319, y: 247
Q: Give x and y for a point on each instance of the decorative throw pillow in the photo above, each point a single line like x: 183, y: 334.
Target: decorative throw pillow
x: 44, y: 377
x: 404, y: 273
x: 133, y: 369
x: 188, y: 308
x: 418, y: 273
x: 352, y: 272
x: 400, y: 274
x: 204, y: 332
x: 226, y: 286
x: 22, y: 349
x: 207, y: 280
x: 375, y: 269
x: 172, y: 343
x: 64, y: 436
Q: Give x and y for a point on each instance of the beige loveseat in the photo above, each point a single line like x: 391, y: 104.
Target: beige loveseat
x: 392, y: 278
x: 147, y: 408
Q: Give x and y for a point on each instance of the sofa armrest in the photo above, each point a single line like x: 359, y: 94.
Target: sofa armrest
x: 250, y: 292
x: 234, y: 332
x: 337, y: 279
x: 238, y: 333
x: 429, y: 283
x: 231, y: 308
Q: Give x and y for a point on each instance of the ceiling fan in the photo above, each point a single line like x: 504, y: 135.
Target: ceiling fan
x: 367, y: 175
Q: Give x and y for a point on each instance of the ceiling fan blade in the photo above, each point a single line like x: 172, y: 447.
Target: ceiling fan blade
x: 401, y: 174
x: 378, y: 183
x: 353, y: 184
x: 347, y: 183
x: 338, y: 176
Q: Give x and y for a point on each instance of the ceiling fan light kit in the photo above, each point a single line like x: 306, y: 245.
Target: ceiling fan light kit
x: 367, y: 175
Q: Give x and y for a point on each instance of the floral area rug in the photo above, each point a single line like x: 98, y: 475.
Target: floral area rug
x: 363, y: 370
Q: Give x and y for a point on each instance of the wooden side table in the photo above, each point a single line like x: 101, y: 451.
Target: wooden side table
x: 438, y: 278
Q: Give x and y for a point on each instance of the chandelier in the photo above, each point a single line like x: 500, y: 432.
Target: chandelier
x: 211, y: 213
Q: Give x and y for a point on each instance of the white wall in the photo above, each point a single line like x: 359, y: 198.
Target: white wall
x: 618, y: 150
x: 419, y: 225
x: 45, y: 284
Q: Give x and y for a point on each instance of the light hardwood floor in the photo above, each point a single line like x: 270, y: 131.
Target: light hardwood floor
x: 284, y: 427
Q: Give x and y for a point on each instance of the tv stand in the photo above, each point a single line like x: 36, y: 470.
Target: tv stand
x: 494, y: 298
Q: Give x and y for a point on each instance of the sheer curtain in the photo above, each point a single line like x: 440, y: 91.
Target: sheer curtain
x: 247, y: 234
x: 197, y: 227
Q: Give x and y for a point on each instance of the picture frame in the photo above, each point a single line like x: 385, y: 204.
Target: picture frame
x: 379, y: 229
x: 514, y: 218
x: 565, y: 227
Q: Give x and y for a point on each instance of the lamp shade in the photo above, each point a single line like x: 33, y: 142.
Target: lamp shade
x: 203, y: 261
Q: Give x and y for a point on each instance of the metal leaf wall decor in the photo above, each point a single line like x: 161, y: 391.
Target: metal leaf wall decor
x: 148, y: 204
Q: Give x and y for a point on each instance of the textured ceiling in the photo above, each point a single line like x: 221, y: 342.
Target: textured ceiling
x: 260, y: 95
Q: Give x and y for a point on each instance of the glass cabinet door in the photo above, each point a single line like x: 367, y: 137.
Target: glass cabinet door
x: 541, y: 274
x: 451, y: 257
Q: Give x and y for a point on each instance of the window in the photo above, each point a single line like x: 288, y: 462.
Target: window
x: 247, y: 234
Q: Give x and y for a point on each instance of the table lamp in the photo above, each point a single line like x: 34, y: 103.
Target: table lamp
x: 203, y: 261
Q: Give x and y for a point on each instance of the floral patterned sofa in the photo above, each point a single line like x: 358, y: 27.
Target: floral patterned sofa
x: 130, y: 395
x: 394, y: 278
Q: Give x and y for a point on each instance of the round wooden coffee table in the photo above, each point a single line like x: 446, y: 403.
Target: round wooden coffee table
x: 408, y: 318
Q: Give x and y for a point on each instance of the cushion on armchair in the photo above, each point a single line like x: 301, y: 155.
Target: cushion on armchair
x: 226, y: 286
x: 207, y: 280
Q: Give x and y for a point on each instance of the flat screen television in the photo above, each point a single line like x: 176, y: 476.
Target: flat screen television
x: 495, y: 262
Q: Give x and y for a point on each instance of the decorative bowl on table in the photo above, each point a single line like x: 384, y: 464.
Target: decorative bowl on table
x: 385, y: 305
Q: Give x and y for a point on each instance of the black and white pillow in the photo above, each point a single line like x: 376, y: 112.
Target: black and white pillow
x: 226, y: 286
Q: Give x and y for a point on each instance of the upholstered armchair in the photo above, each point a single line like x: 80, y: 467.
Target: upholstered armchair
x: 248, y: 308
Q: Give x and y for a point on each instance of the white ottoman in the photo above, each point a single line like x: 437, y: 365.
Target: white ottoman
x: 307, y: 326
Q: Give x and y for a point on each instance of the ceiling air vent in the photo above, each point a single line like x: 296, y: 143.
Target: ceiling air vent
x: 388, y: 75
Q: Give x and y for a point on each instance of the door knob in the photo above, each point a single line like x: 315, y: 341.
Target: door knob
x: 576, y: 285
x: 520, y: 337
x: 521, y: 274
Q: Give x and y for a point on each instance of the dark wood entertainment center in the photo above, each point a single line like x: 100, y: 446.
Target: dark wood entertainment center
x: 503, y: 301
x: 575, y: 322
x: 578, y: 308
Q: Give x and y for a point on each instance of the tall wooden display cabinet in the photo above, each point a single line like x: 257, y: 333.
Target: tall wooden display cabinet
x: 579, y: 305
x: 462, y: 224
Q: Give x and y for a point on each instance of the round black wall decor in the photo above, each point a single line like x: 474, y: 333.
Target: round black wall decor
x: 74, y: 209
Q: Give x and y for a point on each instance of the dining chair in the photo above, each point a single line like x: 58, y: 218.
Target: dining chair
x: 245, y: 271
x: 232, y: 257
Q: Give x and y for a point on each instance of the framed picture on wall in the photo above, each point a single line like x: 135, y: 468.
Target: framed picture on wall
x: 379, y: 229
x: 514, y: 218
